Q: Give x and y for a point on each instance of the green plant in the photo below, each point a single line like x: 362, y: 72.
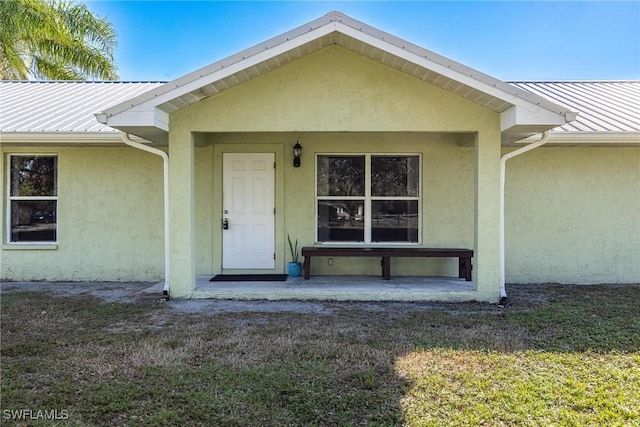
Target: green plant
x: 293, y: 248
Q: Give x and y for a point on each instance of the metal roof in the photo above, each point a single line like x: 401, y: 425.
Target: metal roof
x: 61, y: 106
x: 603, y: 106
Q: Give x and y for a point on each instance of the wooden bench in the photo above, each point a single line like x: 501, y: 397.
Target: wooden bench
x: 385, y: 253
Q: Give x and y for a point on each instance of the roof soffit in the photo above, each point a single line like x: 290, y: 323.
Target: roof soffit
x: 338, y: 29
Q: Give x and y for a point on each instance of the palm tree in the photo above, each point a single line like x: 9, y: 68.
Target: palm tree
x: 56, y: 40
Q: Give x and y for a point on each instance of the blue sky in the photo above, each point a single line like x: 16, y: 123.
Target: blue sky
x: 517, y: 40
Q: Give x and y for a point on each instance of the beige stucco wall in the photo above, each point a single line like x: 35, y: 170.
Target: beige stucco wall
x: 447, y: 181
x: 573, y: 213
x: 334, y: 90
x: 573, y: 216
x: 109, y: 218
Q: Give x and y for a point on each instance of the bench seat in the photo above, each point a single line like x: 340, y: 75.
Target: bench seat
x: 385, y: 253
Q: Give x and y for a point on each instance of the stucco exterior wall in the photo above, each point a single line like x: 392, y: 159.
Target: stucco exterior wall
x: 573, y: 216
x: 109, y: 218
x: 330, y: 91
x: 204, y: 210
x: 447, y: 186
x: 572, y: 213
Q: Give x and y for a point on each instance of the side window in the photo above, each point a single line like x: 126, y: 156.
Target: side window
x: 33, y: 198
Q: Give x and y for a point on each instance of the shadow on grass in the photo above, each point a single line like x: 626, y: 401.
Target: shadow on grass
x: 357, y: 364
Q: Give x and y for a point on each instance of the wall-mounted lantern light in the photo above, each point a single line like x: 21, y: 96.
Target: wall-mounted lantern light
x: 297, y: 153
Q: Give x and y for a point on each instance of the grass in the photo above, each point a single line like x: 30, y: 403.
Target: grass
x: 558, y: 355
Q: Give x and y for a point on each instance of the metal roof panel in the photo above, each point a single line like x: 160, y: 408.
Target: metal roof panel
x: 62, y: 106
x: 604, y: 106
x: 56, y: 106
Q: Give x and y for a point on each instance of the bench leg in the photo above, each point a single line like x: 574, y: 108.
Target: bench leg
x: 307, y: 267
x: 464, y: 268
x: 386, y: 267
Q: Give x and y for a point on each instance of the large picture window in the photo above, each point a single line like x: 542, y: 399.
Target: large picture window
x: 33, y: 198
x: 368, y: 198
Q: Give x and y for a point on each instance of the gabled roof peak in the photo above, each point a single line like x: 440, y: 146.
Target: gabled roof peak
x: 336, y: 28
x: 335, y: 14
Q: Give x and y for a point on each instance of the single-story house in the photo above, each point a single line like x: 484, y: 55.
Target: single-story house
x: 399, y: 148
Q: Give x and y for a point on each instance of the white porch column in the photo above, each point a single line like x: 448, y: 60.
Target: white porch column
x: 182, y: 215
x: 486, y: 269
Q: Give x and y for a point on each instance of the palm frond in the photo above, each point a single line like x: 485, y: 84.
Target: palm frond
x: 54, y: 39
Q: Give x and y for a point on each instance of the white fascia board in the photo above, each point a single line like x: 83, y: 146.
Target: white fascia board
x: 138, y: 116
x: 519, y: 116
x: 60, y: 138
x: 591, y: 138
x: 161, y: 119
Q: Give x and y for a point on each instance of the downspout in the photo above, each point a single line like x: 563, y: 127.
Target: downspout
x: 503, y: 163
x: 165, y: 163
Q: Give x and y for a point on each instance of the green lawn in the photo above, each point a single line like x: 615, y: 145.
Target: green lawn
x: 558, y: 355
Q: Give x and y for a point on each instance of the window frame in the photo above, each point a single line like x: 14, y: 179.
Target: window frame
x: 10, y: 199
x: 368, y: 198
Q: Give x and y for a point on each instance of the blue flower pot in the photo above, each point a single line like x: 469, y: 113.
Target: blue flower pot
x: 294, y: 269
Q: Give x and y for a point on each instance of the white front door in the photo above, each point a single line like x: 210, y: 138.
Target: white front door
x: 248, y: 211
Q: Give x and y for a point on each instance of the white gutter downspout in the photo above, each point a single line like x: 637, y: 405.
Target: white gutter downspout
x: 503, y: 163
x: 165, y: 163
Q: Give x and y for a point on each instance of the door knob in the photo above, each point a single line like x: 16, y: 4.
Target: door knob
x: 225, y: 224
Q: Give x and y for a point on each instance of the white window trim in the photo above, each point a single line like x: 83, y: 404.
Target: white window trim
x: 9, y: 244
x: 367, y: 200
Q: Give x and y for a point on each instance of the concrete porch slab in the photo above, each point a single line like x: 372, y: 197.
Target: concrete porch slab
x: 341, y: 288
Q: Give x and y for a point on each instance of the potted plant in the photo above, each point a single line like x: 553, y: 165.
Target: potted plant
x: 294, y: 266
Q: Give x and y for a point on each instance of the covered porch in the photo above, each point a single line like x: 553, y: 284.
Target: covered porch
x: 341, y: 288
x: 350, y: 95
